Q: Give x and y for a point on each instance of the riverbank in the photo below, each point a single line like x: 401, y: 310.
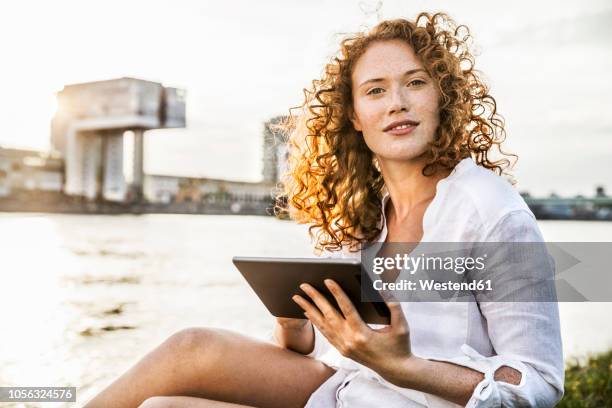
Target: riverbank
x: 225, y: 204
x: 56, y: 203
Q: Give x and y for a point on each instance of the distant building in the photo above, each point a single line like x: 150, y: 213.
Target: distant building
x: 161, y: 189
x: 4, y: 185
x: 176, y: 189
x: 600, y: 191
x: 167, y: 189
x: 275, y: 151
x: 88, y: 132
x: 29, y: 170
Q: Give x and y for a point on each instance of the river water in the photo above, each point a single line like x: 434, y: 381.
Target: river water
x: 83, y: 297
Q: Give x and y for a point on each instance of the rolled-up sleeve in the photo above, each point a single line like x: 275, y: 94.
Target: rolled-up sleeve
x: 525, y: 336
x: 532, y: 391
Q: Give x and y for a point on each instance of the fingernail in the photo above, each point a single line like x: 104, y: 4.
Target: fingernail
x: 303, y: 286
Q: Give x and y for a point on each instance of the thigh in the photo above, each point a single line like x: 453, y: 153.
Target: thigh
x: 187, y: 402
x: 228, y: 366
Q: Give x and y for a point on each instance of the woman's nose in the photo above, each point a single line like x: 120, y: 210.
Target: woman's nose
x: 398, y: 101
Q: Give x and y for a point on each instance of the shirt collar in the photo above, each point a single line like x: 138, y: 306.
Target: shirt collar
x: 460, y: 168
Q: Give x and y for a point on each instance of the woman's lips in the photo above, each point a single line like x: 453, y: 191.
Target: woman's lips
x: 401, y: 132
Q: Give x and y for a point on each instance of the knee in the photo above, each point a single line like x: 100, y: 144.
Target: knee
x: 157, y: 402
x: 191, y: 340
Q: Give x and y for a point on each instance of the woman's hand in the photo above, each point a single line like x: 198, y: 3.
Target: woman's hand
x: 380, y: 349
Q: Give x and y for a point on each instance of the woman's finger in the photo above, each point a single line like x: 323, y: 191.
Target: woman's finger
x: 313, y: 314
x: 328, y: 311
x: 308, y: 307
x: 344, y: 302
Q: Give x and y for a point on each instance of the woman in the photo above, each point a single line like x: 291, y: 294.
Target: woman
x: 393, y: 145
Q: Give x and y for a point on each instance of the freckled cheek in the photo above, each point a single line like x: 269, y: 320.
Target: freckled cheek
x: 429, y: 113
x: 371, y: 120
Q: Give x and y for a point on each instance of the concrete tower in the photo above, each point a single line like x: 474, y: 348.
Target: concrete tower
x: 89, y: 126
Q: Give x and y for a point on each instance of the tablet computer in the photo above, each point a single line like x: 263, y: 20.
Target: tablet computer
x: 276, y: 280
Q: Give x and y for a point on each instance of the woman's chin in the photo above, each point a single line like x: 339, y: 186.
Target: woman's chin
x: 402, y: 156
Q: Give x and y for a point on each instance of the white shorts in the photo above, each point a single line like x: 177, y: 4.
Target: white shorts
x: 349, y: 389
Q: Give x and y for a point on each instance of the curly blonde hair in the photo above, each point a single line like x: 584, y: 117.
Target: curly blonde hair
x: 332, y: 181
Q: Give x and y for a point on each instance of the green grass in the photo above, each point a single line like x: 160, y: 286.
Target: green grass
x: 588, y: 384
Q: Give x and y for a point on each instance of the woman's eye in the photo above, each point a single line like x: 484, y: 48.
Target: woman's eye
x: 372, y: 91
x: 416, y: 82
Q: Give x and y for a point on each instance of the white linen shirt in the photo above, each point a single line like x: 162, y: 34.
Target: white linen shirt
x: 472, y: 204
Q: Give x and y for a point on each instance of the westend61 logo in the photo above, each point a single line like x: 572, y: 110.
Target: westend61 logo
x: 412, y: 264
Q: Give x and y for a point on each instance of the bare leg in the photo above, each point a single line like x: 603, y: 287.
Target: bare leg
x: 219, y: 365
x: 187, y: 402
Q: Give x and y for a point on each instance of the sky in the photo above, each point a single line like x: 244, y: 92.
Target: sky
x: 243, y: 62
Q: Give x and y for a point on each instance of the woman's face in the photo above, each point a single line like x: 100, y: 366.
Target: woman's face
x: 395, y: 101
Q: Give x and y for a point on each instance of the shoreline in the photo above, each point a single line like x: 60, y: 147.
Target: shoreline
x: 52, y: 203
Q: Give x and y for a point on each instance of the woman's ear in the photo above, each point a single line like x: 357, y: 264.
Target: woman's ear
x: 354, y: 120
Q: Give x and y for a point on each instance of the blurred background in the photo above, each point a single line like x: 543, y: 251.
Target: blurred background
x: 136, y: 158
